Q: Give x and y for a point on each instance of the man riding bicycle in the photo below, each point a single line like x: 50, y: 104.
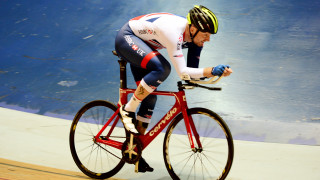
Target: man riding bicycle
x: 137, y: 42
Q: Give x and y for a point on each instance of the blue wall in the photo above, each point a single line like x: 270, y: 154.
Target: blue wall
x: 56, y: 55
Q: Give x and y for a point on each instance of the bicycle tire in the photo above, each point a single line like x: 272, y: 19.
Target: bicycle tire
x: 93, y: 159
x: 213, y: 161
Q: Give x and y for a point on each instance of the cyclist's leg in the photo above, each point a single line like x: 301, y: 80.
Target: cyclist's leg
x: 139, y: 54
x: 145, y: 113
x: 147, y: 105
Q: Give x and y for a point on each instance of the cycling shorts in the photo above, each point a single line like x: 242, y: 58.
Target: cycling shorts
x: 147, y: 64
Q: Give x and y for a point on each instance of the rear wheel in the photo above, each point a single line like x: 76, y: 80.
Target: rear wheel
x: 211, y: 161
x: 94, y: 159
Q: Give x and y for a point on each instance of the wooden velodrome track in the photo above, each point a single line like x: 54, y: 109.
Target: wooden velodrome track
x: 23, y: 171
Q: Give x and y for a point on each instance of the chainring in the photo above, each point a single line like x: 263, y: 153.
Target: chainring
x: 135, y: 152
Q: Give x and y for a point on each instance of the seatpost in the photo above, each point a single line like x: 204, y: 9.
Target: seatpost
x: 123, y: 73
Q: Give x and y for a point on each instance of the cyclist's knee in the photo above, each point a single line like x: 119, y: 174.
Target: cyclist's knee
x: 164, y: 71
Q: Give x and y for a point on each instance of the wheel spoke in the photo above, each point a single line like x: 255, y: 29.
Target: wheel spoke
x: 95, y: 159
x: 212, y: 160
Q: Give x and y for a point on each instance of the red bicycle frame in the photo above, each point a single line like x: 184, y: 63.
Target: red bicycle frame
x: 179, y: 106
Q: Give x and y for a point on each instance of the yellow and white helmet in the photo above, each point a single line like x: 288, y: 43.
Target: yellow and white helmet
x: 203, y: 19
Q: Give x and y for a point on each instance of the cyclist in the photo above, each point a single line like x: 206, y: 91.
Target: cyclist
x: 138, y: 41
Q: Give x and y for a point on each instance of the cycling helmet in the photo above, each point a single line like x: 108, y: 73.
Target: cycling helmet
x: 203, y: 19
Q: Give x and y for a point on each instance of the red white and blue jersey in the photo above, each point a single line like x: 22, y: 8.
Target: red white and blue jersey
x: 165, y: 30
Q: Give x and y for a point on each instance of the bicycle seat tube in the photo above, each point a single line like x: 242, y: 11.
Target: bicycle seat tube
x: 123, y: 73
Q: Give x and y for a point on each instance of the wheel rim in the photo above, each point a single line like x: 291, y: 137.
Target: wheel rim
x: 209, y: 162
x: 96, y: 159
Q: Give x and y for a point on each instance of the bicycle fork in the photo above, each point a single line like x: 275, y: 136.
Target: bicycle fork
x: 190, y: 127
x: 192, y: 131
x: 196, y: 135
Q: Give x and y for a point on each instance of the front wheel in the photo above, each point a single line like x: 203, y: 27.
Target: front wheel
x: 94, y: 159
x: 210, y: 159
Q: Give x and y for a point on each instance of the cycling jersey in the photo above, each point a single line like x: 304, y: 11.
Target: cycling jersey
x: 165, y: 30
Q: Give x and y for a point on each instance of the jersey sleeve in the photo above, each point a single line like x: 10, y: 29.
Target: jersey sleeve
x: 193, y: 57
x: 174, y: 48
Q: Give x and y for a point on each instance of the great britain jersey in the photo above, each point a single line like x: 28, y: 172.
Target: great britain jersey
x: 165, y: 30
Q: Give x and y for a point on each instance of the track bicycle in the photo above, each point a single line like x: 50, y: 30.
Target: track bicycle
x: 197, y: 143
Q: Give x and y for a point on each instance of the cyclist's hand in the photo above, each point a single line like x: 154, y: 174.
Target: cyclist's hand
x: 227, y: 71
x: 221, y: 69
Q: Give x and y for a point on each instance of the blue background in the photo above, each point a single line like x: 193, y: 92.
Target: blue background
x: 56, y: 55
